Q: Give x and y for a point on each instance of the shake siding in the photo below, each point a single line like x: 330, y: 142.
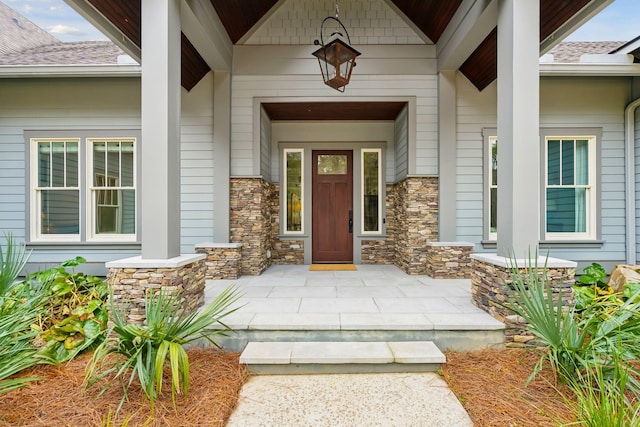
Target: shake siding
x: 565, y: 103
x: 305, y: 87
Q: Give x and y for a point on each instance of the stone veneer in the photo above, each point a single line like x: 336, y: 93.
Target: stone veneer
x: 490, y: 276
x: 134, y: 278
x: 284, y: 251
x: 449, y: 260
x: 250, y: 203
x: 223, y: 260
x: 416, y: 215
x: 382, y: 251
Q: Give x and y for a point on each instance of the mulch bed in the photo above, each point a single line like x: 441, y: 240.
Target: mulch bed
x: 491, y: 385
x: 60, y: 399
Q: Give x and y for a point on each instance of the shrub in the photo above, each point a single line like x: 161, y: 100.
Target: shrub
x: 141, y: 351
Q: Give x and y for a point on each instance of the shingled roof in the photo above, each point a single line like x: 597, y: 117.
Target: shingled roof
x: 571, y: 51
x: 24, y: 43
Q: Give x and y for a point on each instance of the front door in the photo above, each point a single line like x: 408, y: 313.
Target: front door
x: 332, y: 231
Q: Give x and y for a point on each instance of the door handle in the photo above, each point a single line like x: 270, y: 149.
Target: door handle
x: 350, y: 221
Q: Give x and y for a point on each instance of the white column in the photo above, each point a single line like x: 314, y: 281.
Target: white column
x: 447, y: 115
x: 161, y: 92
x: 221, y: 152
x: 518, y: 126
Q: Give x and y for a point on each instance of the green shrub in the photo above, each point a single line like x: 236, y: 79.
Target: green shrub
x: 76, y: 316
x: 20, y: 307
x: 142, y: 351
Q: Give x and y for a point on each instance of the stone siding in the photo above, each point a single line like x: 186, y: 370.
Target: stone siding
x: 223, y: 261
x: 383, y: 251
x: 250, y: 222
x: 416, y: 214
x: 489, y: 288
x: 131, y: 285
x: 449, y: 260
x: 283, y: 251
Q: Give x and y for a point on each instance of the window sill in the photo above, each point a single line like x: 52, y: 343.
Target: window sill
x: 83, y: 245
x: 558, y: 244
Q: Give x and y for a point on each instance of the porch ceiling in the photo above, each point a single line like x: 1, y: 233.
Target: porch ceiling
x: 429, y: 16
x: 333, y: 110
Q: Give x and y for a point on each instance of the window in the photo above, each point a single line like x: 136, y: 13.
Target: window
x: 83, y: 189
x: 112, y: 190
x: 371, y: 180
x: 56, y: 189
x: 570, y: 188
x: 293, y: 190
x: 570, y: 206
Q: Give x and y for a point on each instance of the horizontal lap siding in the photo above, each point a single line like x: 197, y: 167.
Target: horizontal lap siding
x: 564, y: 103
x: 637, y: 164
x: 245, y: 88
x: 197, y: 185
x: 100, y: 103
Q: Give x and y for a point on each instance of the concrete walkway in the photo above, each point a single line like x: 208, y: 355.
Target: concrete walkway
x: 349, y: 400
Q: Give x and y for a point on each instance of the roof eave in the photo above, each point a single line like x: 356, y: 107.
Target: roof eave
x: 40, y: 71
x: 601, y: 70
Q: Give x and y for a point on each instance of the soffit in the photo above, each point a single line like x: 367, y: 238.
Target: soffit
x: 430, y: 16
x: 313, y: 111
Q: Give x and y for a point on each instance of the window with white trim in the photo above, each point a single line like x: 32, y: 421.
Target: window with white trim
x: 293, y: 190
x: 570, y: 181
x: 371, y: 182
x: 569, y: 191
x: 83, y: 189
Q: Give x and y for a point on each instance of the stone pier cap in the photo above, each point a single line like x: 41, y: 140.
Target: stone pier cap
x: 139, y: 262
x: 505, y: 262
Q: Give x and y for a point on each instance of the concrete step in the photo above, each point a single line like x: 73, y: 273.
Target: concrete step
x: 308, y: 357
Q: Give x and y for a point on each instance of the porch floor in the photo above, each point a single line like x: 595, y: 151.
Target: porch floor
x: 373, y: 303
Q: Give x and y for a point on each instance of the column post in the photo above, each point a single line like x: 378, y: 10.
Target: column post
x: 518, y: 127
x: 447, y: 155
x: 160, y: 149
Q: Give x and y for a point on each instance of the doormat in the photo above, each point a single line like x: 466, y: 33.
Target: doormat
x: 332, y: 267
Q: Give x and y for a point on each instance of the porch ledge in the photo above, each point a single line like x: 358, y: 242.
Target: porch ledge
x: 522, y: 262
x: 441, y: 244
x: 139, y: 262
x: 218, y: 245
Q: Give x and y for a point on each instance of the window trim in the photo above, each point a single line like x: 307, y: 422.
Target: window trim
x: 284, y: 230
x: 594, y: 216
x: 31, y: 165
x: 380, y: 192
x: 35, y: 189
x: 91, y: 192
x: 590, y: 133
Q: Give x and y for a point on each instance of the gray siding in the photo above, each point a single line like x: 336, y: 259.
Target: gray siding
x: 99, y: 104
x: 637, y: 181
x: 401, y: 134
x: 265, y: 146
x: 567, y: 103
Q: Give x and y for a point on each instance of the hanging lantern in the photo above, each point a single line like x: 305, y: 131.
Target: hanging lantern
x: 336, y: 58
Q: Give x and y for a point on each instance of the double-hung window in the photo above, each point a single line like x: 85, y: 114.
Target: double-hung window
x: 83, y: 189
x: 570, y: 182
x: 569, y: 208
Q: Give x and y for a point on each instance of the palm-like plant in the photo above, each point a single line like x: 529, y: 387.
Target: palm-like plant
x: 20, y: 306
x: 142, y: 350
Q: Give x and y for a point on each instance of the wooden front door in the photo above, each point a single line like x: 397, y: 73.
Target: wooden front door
x: 332, y: 194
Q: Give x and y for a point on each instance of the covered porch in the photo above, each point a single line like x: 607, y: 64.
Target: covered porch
x: 371, y: 304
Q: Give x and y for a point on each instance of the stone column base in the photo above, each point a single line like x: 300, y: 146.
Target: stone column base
x: 490, y: 277
x: 223, y: 260
x: 131, y: 279
x: 449, y: 260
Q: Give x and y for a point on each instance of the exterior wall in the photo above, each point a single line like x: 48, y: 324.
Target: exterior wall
x: 251, y: 222
x: 564, y: 102
x: 401, y: 152
x: 265, y: 146
x: 368, y: 22
x: 383, y: 251
x: 416, y: 222
x: 284, y: 251
x: 99, y: 104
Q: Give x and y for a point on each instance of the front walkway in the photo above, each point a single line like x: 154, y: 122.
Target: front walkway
x: 374, y: 299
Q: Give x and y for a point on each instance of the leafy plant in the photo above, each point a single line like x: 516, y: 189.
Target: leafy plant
x: 142, y: 351
x: 76, y: 316
x: 595, y: 274
x: 20, y: 306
